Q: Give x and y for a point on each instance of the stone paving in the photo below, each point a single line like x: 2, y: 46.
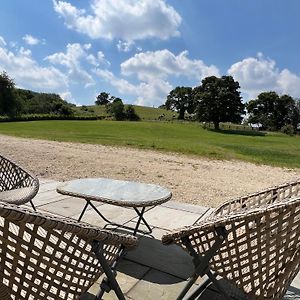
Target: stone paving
x: 152, y: 270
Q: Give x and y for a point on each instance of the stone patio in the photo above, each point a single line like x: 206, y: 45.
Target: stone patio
x: 150, y: 271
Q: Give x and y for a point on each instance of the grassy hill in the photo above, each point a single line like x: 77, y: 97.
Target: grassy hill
x: 189, y: 138
x: 144, y: 112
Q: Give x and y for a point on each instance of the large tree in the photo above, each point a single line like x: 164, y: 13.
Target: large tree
x: 181, y: 100
x: 9, y: 104
x: 272, y: 111
x: 102, y: 99
x: 218, y: 100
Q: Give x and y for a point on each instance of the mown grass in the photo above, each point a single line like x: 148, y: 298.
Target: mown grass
x: 188, y: 138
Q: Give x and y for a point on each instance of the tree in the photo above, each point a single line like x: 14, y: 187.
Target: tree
x: 181, y: 100
x: 272, y: 111
x: 116, y: 109
x: 102, y: 99
x: 218, y: 100
x: 9, y: 104
x: 130, y: 113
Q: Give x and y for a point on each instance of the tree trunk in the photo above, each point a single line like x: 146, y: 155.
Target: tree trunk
x: 217, y: 125
x: 181, y: 114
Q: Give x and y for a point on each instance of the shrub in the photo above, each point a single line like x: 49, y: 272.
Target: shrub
x: 130, y: 113
x: 288, y: 129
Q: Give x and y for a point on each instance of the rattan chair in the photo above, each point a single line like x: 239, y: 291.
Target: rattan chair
x: 252, y: 242
x: 17, y: 186
x: 49, y: 257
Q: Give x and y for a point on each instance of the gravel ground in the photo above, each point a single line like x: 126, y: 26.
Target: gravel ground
x: 191, y: 179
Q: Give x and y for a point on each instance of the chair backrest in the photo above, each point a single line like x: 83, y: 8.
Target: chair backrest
x: 271, y: 195
x: 261, y: 253
x: 45, y: 256
x: 15, y: 178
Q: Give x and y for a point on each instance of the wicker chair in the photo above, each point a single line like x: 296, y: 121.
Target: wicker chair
x: 252, y: 242
x: 17, y: 186
x: 50, y: 257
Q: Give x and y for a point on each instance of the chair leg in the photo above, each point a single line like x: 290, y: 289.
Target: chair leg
x: 110, y: 282
x: 32, y: 205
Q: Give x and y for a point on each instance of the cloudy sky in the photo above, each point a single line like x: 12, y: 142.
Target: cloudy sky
x: 139, y: 50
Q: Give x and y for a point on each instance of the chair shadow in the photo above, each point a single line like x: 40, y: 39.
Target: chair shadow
x: 164, y: 264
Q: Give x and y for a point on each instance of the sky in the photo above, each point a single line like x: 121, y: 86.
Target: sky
x: 139, y: 50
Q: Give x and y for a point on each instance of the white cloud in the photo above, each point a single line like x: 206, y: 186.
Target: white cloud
x: 71, y: 59
x: 154, y: 72
x: 2, y: 41
x: 162, y: 64
x: 97, y: 60
x: 260, y: 74
x: 148, y: 94
x: 27, y: 73
x: 30, y: 40
x: 128, y: 20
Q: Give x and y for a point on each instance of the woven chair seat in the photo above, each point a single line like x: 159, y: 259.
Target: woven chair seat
x: 260, y: 252
x: 44, y: 256
x: 14, y: 196
x: 17, y: 186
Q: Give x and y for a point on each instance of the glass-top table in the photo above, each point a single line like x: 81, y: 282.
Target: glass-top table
x: 131, y: 194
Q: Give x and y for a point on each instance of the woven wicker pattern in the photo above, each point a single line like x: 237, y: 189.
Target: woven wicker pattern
x: 17, y: 186
x: 44, y: 256
x: 261, y: 254
x: 271, y: 195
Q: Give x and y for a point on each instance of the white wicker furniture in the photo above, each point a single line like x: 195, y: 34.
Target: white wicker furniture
x: 17, y: 186
x: 49, y: 257
x: 253, y: 242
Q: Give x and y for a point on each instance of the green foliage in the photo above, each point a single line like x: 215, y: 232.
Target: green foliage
x: 130, y: 113
x: 218, y: 100
x: 43, y: 103
x: 102, y: 99
x: 273, y: 112
x: 9, y: 104
x: 181, y: 100
x: 116, y: 109
x: 288, y: 129
x: 189, y: 138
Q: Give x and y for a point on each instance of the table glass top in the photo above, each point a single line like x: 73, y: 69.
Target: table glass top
x: 118, y: 192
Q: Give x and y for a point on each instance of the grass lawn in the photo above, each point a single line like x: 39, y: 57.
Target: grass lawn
x: 189, y: 138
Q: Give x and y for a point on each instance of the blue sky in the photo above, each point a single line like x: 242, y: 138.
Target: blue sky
x: 139, y: 50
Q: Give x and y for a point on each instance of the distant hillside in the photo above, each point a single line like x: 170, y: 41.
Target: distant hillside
x: 144, y: 112
x: 42, y: 103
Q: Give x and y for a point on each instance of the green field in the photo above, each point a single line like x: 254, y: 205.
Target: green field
x: 189, y: 138
x: 145, y: 113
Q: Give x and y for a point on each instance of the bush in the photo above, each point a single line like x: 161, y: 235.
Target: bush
x: 288, y: 129
x: 130, y: 113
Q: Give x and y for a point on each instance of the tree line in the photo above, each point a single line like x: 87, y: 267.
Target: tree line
x: 218, y: 100
x: 15, y: 102
x: 116, y: 108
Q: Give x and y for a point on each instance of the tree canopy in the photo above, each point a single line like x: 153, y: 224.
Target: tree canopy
x: 181, y: 100
x: 9, y: 104
x: 103, y: 99
x: 218, y: 100
x: 272, y: 111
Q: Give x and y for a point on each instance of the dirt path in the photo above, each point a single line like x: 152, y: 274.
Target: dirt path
x: 193, y: 180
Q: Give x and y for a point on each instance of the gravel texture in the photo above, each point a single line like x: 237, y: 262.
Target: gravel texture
x: 191, y: 179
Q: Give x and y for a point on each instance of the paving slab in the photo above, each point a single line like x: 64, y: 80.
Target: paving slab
x: 67, y: 207
x: 196, y: 209
x: 170, y: 259
x: 156, y: 285
x: 49, y: 186
x: 113, y: 213
x: 169, y: 218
